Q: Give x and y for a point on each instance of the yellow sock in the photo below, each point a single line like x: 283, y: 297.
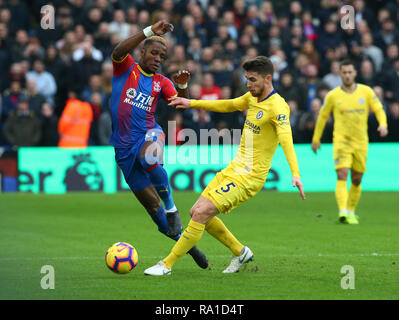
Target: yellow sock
x: 188, y: 239
x: 341, y: 194
x: 218, y: 230
x: 354, y: 196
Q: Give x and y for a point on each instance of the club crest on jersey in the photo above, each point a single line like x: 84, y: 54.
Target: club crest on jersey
x: 157, y: 86
x: 361, y: 100
x: 259, y: 115
x: 131, y: 93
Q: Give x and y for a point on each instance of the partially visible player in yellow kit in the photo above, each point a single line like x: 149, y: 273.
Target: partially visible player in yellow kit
x: 350, y: 106
x: 266, y: 125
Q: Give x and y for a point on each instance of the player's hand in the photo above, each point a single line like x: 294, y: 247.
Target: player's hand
x: 181, y: 77
x: 179, y: 103
x: 383, y: 131
x: 162, y: 27
x: 296, y: 182
x: 315, y: 146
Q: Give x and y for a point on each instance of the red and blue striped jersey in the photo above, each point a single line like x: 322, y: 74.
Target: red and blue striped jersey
x: 134, y: 99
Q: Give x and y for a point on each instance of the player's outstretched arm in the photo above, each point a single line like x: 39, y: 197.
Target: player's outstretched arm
x: 179, y: 103
x: 228, y: 105
x: 127, y: 45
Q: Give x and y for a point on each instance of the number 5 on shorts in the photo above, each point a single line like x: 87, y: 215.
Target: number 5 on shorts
x: 227, y: 188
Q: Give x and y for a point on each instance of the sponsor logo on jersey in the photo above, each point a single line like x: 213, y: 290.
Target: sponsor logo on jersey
x: 253, y: 127
x: 281, y: 117
x: 140, y: 100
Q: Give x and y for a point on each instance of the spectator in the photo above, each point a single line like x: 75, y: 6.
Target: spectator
x: 194, y: 50
x: 11, y: 98
x: 329, y: 37
x: 20, y: 45
x: 81, y: 70
x: 295, y: 115
x: 366, y: 74
x: 333, y: 79
x: 211, y: 22
x: 209, y: 90
x: 239, y: 13
x: 228, y: 20
x: 94, y: 86
x: 372, y: 51
x: 187, y: 31
x: 22, y: 128
x: 119, y: 25
x: 87, y: 49
x: 45, y: 82
x: 392, y: 84
x: 290, y: 90
x: 311, y: 83
x: 106, y: 78
x: 96, y: 104
x: 307, y: 121
x: 393, y: 122
x: 35, y: 99
x: 221, y: 75
x: 104, y: 128
x: 75, y: 122
x: 93, y: 20
x: 206, y: 58
x: 49, y: 125
x: 387, y: 35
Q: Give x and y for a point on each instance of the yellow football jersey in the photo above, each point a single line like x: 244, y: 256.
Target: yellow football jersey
x: 266, y: 124
x: 350, y: 111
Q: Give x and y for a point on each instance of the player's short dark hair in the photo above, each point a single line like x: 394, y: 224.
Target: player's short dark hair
x: 347, y: 62
x: 259, y: 64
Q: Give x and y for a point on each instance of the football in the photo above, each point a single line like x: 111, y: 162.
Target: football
x: 121, y: 257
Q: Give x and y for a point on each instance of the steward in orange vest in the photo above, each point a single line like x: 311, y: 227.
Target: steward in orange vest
x: 74, y: 124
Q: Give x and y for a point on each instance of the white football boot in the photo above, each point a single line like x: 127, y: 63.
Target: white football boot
x: 238, y: 261
x: 158, y: 270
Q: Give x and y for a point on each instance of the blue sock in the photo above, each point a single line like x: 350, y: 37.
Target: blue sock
x: 166, y: 195
x: 160, y: 219
x: 159, y: 179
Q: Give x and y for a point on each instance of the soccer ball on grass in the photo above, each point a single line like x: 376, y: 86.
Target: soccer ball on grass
x: 121, y: 257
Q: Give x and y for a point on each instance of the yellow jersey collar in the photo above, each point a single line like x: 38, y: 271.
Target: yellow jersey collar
x: 143, y: 72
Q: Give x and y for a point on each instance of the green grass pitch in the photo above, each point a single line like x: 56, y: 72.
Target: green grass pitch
x: 299, y: 249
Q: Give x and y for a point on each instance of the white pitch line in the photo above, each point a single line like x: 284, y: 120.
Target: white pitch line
x: 328, y: 255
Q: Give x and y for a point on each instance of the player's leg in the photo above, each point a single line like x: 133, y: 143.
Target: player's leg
x: 191, y: 235
x: 357, y: 170
x: 150, y: 160
x: 354, y: 196
x: 149, y: 199
x: 341, y: 193
x: 203, y: 215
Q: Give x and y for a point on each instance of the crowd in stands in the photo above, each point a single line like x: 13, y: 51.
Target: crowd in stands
x: 50, y: 76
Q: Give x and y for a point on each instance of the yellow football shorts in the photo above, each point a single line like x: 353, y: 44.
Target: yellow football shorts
x: 350, y: 157
x: 227, y: 193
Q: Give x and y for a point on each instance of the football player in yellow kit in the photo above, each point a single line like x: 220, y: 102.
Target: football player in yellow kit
x: 266, y: 125
x: 350, y: 106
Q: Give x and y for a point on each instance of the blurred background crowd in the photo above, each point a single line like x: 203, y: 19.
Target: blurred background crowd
x: 41, y: 70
